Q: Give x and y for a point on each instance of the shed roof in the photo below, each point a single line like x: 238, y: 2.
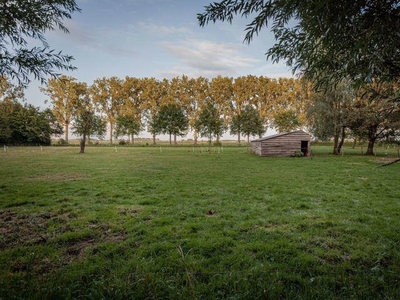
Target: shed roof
x: 278, y: 135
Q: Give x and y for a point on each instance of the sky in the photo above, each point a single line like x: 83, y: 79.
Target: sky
x: 156, y: 38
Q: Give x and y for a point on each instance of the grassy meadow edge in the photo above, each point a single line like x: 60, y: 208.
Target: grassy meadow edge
x: 197, y: 222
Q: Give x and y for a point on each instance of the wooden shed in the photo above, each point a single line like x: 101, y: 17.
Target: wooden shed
x: 283, y: 144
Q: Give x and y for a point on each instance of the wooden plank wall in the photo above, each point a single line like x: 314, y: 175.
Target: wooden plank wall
x: 285, y: 145
x: 256, y: 147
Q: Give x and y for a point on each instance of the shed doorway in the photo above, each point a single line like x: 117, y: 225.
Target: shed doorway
x: 304, y: 148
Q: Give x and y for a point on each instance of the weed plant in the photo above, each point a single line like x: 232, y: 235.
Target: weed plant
x: 197, y: 223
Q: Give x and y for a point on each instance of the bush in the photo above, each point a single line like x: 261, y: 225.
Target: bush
x: 298, y: 154
x: 217, y: 144
x: 61, y: 141
x: 122, y: 142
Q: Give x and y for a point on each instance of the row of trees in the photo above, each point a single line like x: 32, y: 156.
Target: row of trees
x: 244, y: 105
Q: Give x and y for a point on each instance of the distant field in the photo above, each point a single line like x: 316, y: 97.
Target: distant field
x: 183, y: 223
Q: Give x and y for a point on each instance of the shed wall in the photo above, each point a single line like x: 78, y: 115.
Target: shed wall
x: 256, y: 147
x: 285, y: 145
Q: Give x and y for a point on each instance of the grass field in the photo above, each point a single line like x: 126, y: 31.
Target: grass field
x: 177, y: 223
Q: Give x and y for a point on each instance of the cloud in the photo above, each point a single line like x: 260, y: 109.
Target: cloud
x: 206, y: 57
x: 93, y: 40
x: 273, y: 70
x: 154, y: 29
x: 77, y: 33
x: 191, y: 73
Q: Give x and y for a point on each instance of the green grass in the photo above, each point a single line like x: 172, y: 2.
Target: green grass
x: 170, y: 223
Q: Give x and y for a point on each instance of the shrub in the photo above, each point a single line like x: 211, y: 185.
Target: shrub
x: 217, y: 144
x: 61, y: 141
x: 298, y: 154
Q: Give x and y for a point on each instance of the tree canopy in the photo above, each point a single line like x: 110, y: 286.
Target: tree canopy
x: 64, y: 93
x: 326, y: 40
x: 22, y: 20
x: 26, y: 124
x: 210, y: 123
x: 171, y: 119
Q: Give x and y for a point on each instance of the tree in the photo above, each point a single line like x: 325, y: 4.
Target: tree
x: 251, y: 123
x: 210, y: 123
x: 329, y: 40
x: 9, y: 96
x: 55, y: 127
x: 64, y: 93
x: 220, y: 94
x: 248, y: 123
x: 153, y: 93
x: 328, y: 114
x: 86, y: 122
x: 373, y: 117
x: 243, y: 90
x: 171, y: 120
x: 265, y: 98
x: 286, y: 121
x: 129, y: 120
x: 108, y: 97
x: 6, y: 109
x: 9, y: 91
x: 23, y: 124
x: 127, y: 124
x: 23, y: 20
x: 26, y: 124
x: 200, y: 87
x: 190, y: 93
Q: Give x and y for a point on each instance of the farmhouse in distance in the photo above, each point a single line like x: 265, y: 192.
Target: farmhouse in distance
x: 284, y: 144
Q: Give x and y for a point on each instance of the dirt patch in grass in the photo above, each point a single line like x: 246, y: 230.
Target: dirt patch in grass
x: 60, y: 176
x: 211, y: 213
x: 77, y: 247
x: 23, y: 229
x: 127, y: 211
x: 356, y: 164
x: 32, y: 229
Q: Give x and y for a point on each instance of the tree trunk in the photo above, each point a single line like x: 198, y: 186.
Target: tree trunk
x: 154, y: 138
x: 239, y: 138
x: 66, y: 128
x: 195, y: 136
x: 354, y: 142
x: 371, y: 139
x: 175, y: 139
x: 336, y: 143
x: 111, y: 132
x: 82, y: 144
x: 342, y: 137
x: 132, y: 139
x: 370, y: 149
